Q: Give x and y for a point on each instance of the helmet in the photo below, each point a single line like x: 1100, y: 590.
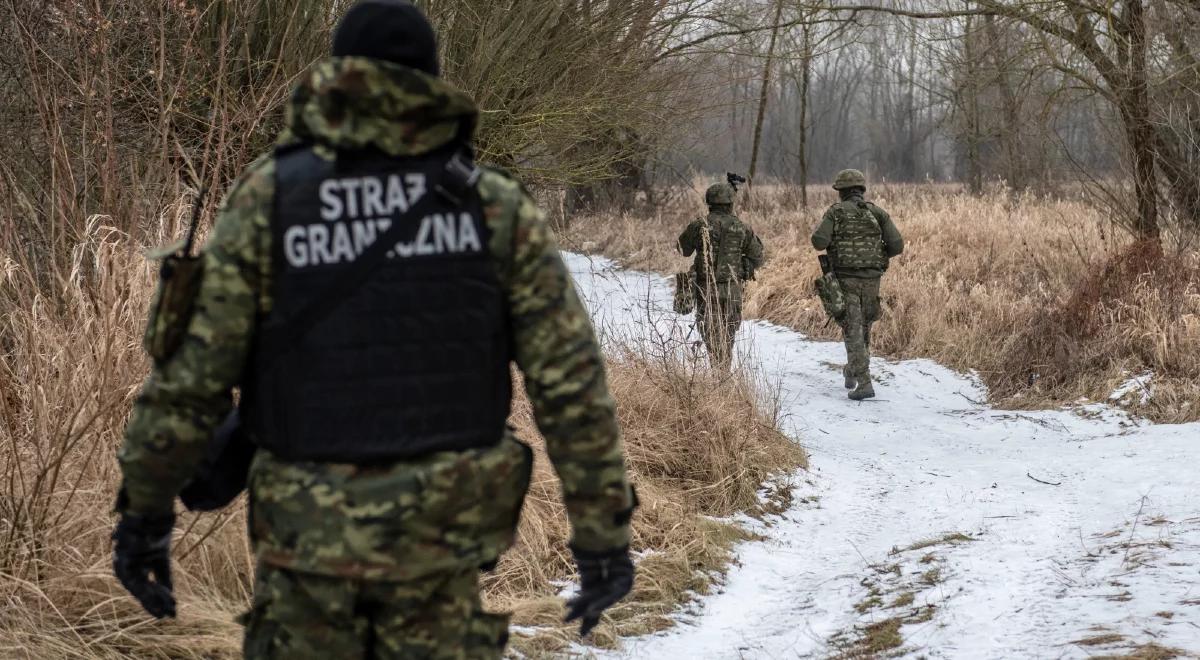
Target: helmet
x: 849, y: 179
x: 719, y: 193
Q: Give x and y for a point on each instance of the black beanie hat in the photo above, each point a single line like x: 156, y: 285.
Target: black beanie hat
x: 391, y: 30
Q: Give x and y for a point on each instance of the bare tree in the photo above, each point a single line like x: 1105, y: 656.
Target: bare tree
x: 1109, y: 52
x: 766, y: 86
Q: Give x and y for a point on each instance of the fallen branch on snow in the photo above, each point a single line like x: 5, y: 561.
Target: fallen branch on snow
x: 1048, y: 483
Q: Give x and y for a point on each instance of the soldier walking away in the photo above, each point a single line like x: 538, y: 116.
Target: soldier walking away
x: 727, y: 255
x: 384, y: 475
x: 860, y: 238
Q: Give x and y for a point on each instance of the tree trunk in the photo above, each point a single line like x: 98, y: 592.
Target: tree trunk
x: 909, y: 157
x: 1181, y: 176
x: 805, y: 81
x: 1015, y: 163
x: 974, y: 170
x: 1135, y: 112
x: 762, y: 97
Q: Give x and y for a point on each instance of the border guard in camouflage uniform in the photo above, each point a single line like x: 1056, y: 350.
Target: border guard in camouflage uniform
x: 385, y: 476
x: 860, y: 239
x: 727, y: 255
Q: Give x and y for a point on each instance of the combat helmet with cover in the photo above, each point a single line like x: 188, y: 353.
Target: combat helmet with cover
x: 847, y: 179
x: 719, y: 193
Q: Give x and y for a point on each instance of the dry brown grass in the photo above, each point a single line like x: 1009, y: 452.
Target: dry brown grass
x: 873, y: 640
x: 1100, y: 640
x: 1149, y: 651
x: 71, y: 363
x: 1039, y: 296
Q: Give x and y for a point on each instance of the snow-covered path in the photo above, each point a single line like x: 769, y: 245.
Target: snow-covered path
x: 1107, y: 550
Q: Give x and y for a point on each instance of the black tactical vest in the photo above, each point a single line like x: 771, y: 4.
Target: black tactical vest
x: 416, y: 360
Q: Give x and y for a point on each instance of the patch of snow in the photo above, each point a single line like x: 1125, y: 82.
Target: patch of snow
x: 1115, y: 544
x: 1137, y: 386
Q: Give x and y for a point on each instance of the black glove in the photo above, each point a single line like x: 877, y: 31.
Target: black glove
x: 604, y: 579
x: 142, y: 547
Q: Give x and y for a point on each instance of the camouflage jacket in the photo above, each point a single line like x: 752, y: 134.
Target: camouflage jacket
x: 726, y: 248
x: 403, y: 520
x: 893, y: 243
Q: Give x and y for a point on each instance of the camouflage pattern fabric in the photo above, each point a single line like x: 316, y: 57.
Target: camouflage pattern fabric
x: 849, y: 179
x: 355, y: 102
x: 829, y: 290
x: 862, y: 310
x: 857, y: 238
x: 720, y: 194
x: 414, y: 520
x: 300, y: 616
x: 718, y: 317
x: 437, y: 515
x: 847, y: 260
x: 727, y: 252
x: 174, y: 301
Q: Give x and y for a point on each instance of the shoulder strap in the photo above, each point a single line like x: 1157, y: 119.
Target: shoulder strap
x: 191, y: 232
x: 865, y: 207
x: 455, y: 184
x: 877, y: 212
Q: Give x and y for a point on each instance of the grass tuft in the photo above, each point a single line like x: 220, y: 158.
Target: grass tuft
x: 945, y: 539
x: 931, y: 577
x: 873, y: 640
x: 1146, y: 652
x: 1099, y: 640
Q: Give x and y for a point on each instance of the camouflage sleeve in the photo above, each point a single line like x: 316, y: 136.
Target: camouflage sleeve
x: 689, y: 240
x: 184, y: 398
x: 823, y: 236
x: 752, y: 251
x: 893, y: 242
x: 557, y: 351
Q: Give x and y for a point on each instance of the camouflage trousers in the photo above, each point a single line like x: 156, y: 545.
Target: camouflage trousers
x: 298, y: 616
x: 718, y: 317
x: 862, y: 310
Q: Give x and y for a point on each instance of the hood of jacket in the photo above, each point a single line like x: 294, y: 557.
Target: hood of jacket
x: 357, y: 102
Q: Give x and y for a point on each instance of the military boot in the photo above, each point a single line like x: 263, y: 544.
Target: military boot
x: 850, y: 381
x: 863, y: 390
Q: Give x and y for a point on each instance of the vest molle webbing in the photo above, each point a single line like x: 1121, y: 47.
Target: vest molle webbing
x: 416, y: 360
x: 857, y: 238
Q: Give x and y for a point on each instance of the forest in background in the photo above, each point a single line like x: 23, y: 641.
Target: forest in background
x: 116, y: 108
